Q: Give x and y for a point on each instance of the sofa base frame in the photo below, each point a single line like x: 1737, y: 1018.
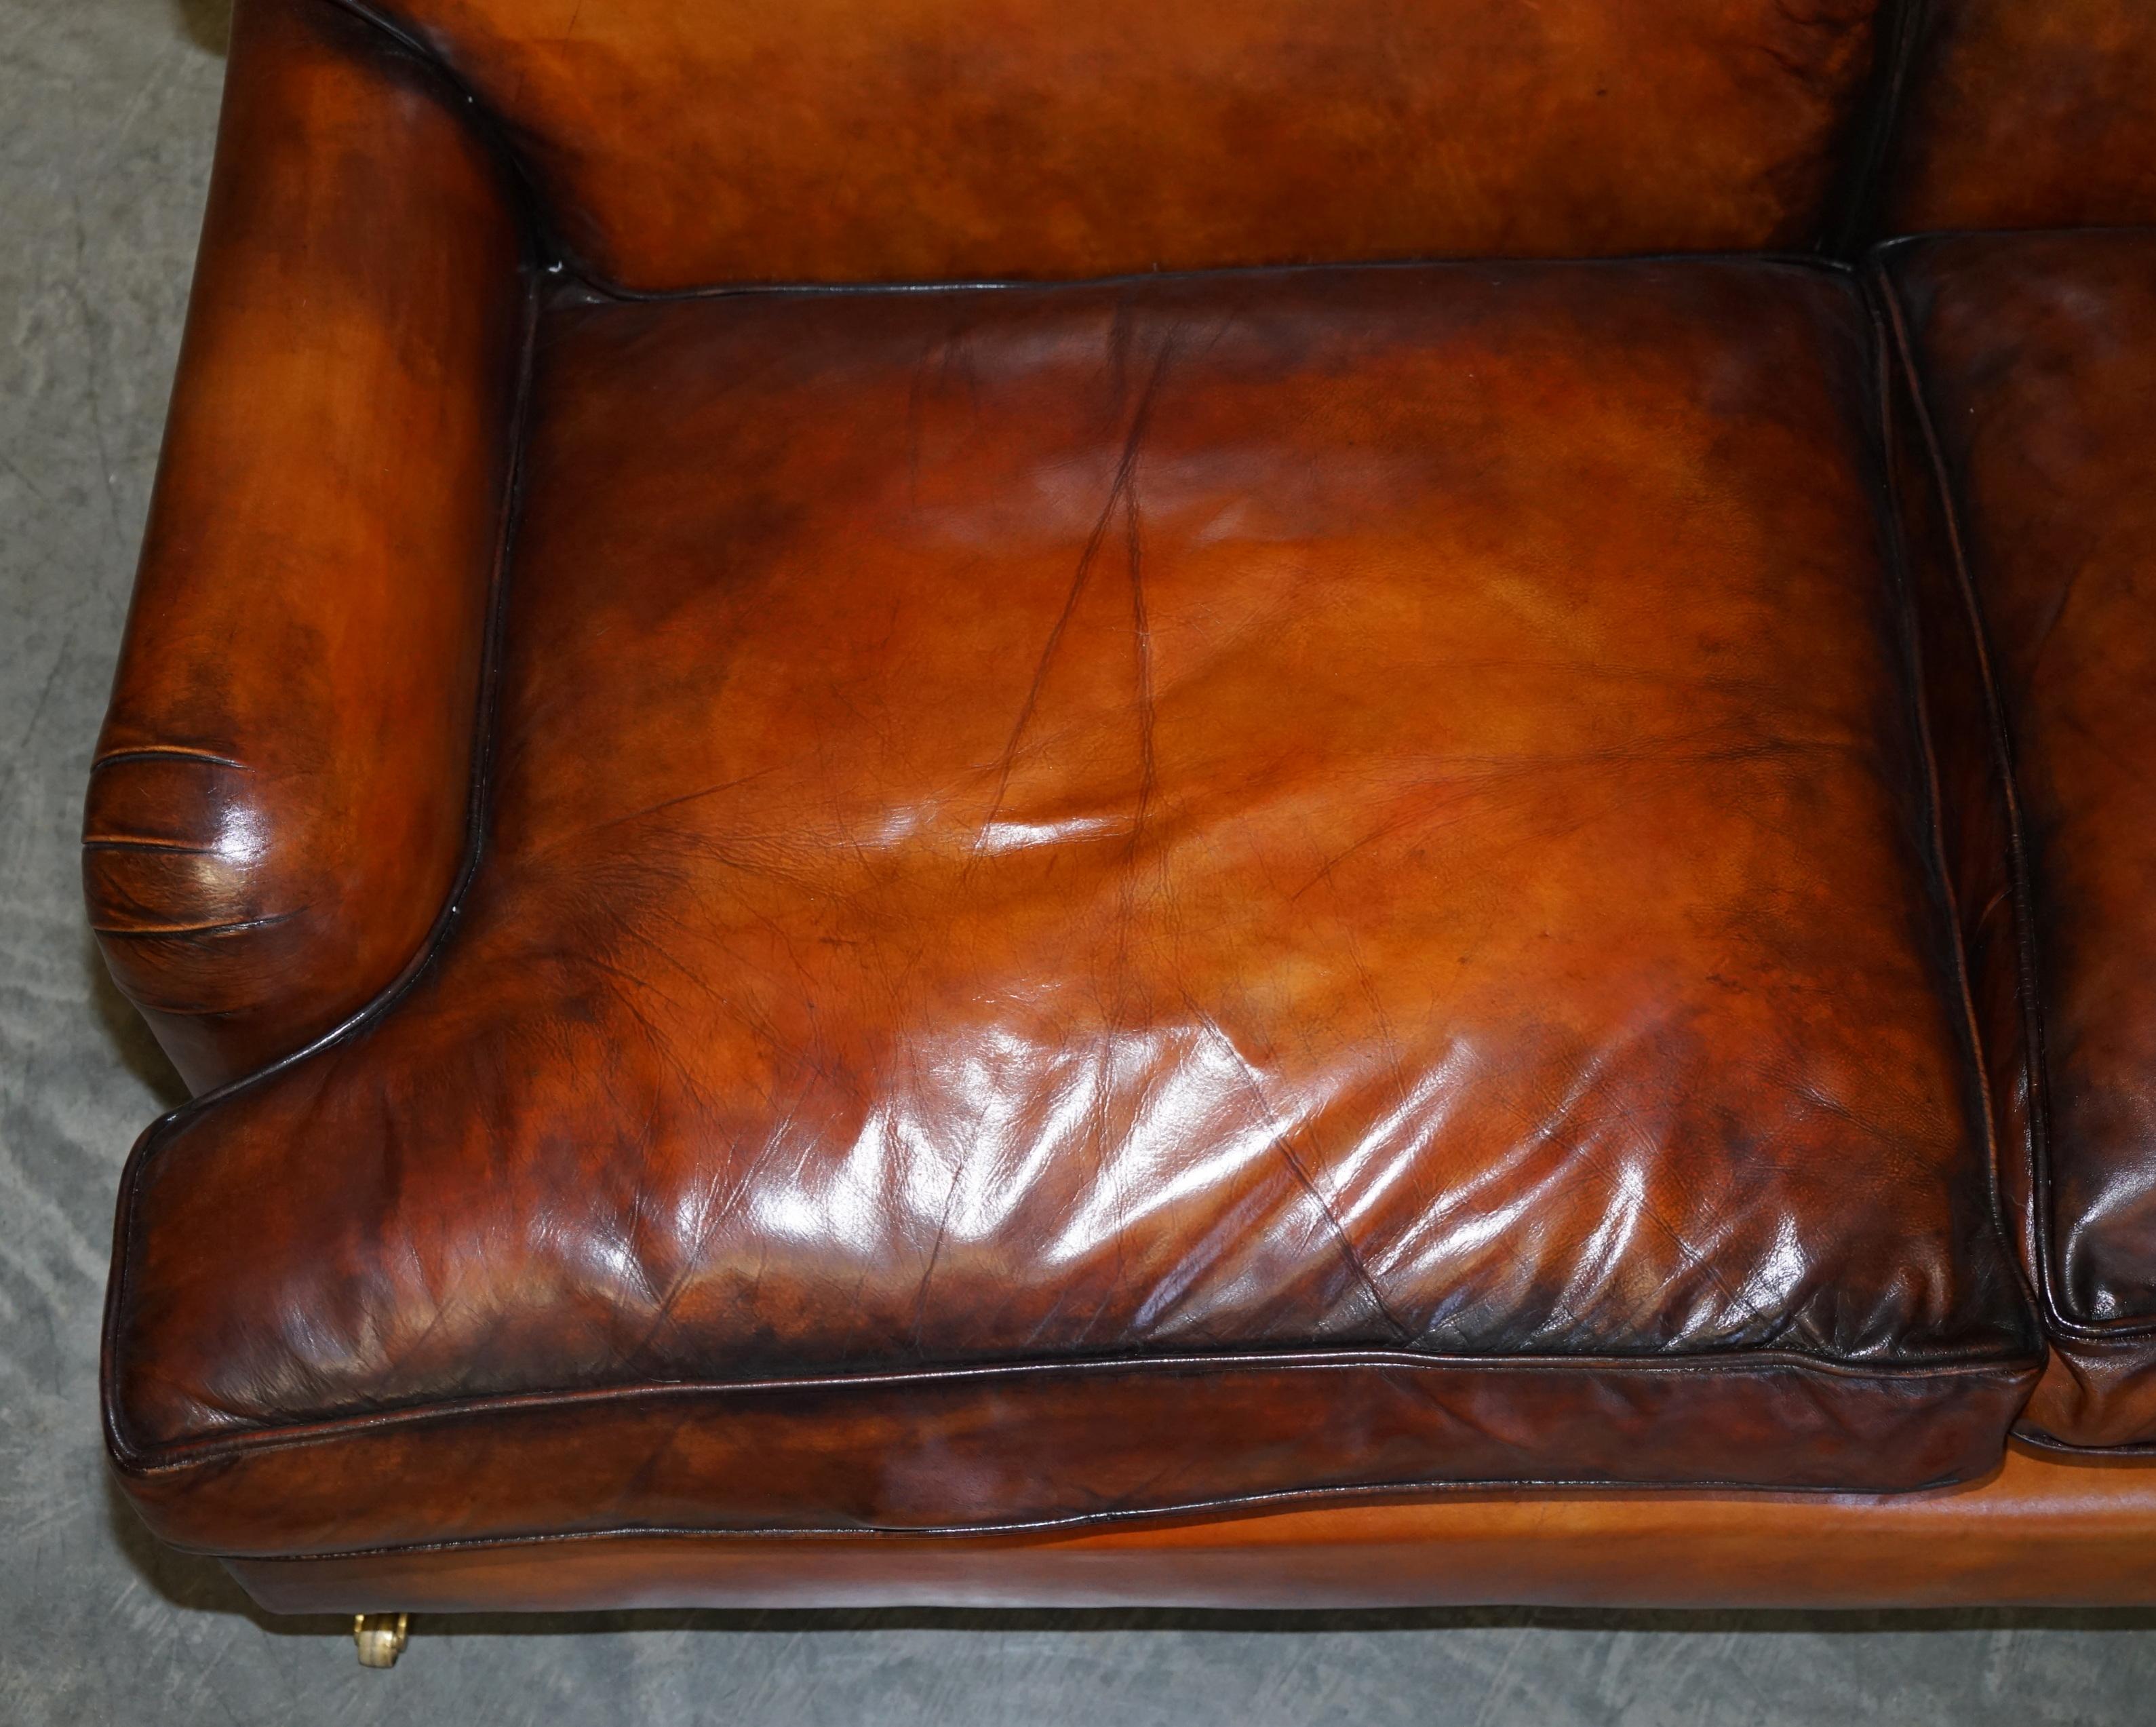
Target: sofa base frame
x: 2042, y: 1530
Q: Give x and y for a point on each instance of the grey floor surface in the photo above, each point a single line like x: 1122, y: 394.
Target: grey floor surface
x: 106, y: 111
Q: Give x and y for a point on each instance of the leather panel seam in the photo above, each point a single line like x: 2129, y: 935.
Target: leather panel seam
x: 169, y: 753
x: 188, y: 932
x: 175, y: 1455
x: 2037, y: 1436
x: 1879, y: 118
x: 1261, y: 1503
x: 603, y: 291
x: 1936, y: 864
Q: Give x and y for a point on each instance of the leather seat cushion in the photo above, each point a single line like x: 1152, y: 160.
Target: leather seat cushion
x: 2037, y: 356
x: 1130, y: 896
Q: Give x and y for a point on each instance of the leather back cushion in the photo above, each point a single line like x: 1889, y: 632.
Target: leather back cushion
x: 695, y: 142
x: 2029, y: 114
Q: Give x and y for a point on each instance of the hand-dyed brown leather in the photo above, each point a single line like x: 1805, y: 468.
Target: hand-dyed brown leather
x: 681, y: 143
x: 1113, y: 898
x: 2027, y: 114
x: 2035, y: 356
x: 2037, y: 1531
x: 279, y: 806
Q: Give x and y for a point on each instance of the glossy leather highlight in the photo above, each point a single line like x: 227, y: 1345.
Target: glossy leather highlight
x: 686, y: 143
x: 279, y: 806
x: 2036, y: 357
x: 1110, y: 834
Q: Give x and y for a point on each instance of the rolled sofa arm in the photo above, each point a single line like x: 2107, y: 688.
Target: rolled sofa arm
x: 277, y: 809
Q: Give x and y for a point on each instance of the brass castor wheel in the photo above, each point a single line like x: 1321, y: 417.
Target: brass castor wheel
x: 380, y: 1637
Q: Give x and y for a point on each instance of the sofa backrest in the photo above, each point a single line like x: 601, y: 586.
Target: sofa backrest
x: 2027, y: 114
x: 681, y: 143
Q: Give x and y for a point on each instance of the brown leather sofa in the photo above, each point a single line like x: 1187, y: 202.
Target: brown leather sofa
x: 935, y: 813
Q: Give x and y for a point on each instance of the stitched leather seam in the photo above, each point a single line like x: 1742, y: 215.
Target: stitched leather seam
x: 169, y: 753
x: 1903, y: 27
x: 1887, y: 1378
x: 956, y: 1534
x: 1936, y: 867
x: 605, y: 290
x: 168, y: 931
x: 2047, y: 1441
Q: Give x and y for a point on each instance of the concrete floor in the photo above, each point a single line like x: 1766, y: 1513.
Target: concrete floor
x: 109, y: 108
